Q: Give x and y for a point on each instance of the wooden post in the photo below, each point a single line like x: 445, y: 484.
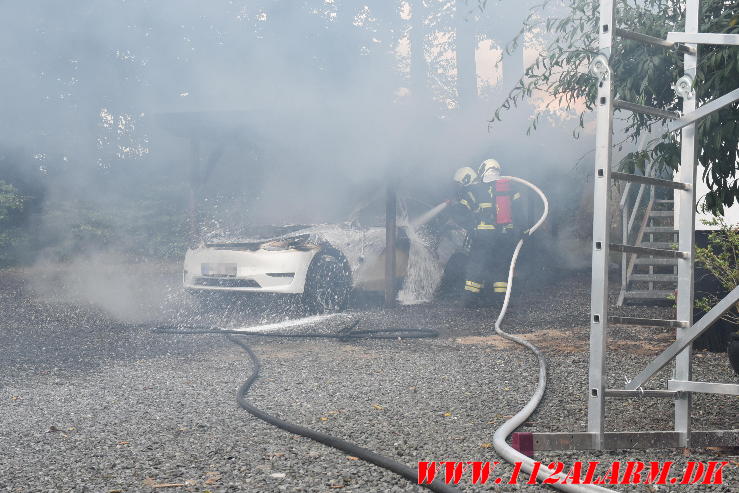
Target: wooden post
x: 194, y: 187
x: 390, y: 244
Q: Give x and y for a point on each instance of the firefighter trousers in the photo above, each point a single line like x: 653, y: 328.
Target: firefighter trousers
x: 487, y: 269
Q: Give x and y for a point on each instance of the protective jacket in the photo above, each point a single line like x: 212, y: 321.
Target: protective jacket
x: 494, y: 201
x: 463, y: 208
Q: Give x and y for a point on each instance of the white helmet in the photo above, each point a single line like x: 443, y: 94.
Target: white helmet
x: 489, y: 170
x: 465, y: 176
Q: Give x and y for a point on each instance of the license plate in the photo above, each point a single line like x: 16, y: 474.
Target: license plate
x: 220, y: 270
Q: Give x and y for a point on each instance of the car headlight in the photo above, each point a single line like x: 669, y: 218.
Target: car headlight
x: 275, y: 245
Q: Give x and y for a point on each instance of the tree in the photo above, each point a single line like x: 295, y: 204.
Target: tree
x: 11, y: 204
x: 641, y: 74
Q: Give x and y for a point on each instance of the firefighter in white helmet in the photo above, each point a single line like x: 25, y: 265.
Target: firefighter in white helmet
x: 465, y: 176
x: 494, y: 235
x: 463, y: 207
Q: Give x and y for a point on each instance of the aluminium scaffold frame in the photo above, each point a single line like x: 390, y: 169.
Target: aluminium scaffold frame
x: 680, y: 387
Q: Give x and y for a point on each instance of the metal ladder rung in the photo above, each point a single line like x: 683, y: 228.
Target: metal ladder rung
x: 660, y: 229
x: 654, y: 277
x: 660, y: 245
x: 628, y: 394
x: 640, y: 108
x: 702, y: 38
x: 649, y: 251
x: 662, y: 214
x: 648, y: 322
x: 655, y: 261
x: 649, y: 295
x: 664, y: 201
x: 703, y: 387
x: 650, y: 181
x: 652, y: 40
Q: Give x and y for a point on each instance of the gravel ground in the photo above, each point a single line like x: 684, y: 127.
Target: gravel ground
x: 91, y: 403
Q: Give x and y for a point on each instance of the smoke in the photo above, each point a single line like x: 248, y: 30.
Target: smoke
x: 106, y: 281
x: 254, y: 111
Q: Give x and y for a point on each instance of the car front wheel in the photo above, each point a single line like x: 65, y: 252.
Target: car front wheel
x: 328, y: 283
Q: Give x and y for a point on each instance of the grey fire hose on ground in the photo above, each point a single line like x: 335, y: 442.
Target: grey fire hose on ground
x: 501, y: 434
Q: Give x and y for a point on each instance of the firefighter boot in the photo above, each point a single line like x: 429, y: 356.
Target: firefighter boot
x: 471, y: 295
x: 499, y: 290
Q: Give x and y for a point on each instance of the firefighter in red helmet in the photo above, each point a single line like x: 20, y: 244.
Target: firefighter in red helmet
x: 495, y: 234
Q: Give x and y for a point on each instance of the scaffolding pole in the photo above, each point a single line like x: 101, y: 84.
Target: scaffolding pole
x: 680, y: 387
x: 686, y: 235
x: 601, y: 234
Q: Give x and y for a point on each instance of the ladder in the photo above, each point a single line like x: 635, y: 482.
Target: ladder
x: 681, y: 386
x: 683, y: 188
x: 647, y: 278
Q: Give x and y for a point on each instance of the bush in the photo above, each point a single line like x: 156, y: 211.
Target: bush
x: 148, y: 225
x: 719, y: 258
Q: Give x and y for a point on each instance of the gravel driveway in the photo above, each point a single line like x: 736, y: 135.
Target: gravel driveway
x: 90, y: 403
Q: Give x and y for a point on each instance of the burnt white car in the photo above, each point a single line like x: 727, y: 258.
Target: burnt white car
x: 320, y: 263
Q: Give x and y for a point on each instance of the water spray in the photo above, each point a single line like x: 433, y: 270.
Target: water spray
x: 291, y: 323
x: 429, y: 215
x: 501, y: 434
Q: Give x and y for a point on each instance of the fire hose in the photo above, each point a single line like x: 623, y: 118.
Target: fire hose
x: 501, y: 434
x: 346, y: 334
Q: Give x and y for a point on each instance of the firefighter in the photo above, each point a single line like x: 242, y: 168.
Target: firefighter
x: 494, y: 236
x: 465, y: 176
x: 464, y: 206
